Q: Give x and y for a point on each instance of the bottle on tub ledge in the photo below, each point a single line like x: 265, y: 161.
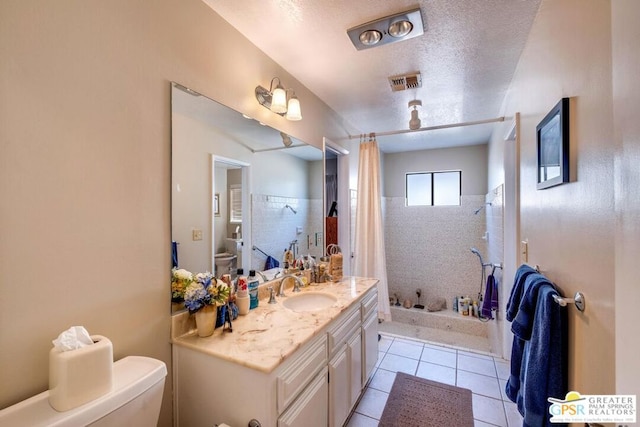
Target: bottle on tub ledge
x: 463, y: 305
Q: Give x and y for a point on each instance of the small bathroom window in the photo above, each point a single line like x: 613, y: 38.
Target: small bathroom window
x: 433, y: 188
x: 235, y: 204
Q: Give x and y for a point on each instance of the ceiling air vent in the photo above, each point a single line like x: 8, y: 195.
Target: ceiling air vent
x: 404, y: 82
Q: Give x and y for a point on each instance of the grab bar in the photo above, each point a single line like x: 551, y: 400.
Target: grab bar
x: 255, y: 248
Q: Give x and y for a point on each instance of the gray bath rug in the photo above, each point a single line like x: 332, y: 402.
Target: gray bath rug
x: 416, y: 402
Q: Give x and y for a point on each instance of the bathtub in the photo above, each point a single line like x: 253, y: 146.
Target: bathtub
x: 444, y: 327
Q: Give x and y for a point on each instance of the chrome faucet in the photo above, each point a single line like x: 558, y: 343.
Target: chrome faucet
x: 296, y: 286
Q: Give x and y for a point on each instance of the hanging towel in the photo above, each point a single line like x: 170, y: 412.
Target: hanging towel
x: 513, y: 304
x: 526, y: 277
x: 544, y: 373
x: 490, y: 301
x: 174, y: 254
x: 271, y: 263
x: 538, y: 354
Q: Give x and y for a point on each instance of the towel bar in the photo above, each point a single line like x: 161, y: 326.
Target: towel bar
x: 578, y: 300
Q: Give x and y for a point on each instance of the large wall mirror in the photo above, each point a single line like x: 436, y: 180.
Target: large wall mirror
x: 241, y: 192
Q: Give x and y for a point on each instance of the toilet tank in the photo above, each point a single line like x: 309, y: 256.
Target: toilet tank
x: 138, y: 384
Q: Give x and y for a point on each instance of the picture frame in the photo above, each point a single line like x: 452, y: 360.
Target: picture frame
x: 552, y: 135
x: 216, y: 204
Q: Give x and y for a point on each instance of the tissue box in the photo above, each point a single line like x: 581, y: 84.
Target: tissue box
x: 79, y: 376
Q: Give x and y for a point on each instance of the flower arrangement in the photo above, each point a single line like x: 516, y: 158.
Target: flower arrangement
x: 180, y: 279
x: 205, y: 290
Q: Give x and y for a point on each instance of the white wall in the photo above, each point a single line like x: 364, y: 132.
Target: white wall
x: 570, y: 228
x: 85, y: 176
x: 472, y: 160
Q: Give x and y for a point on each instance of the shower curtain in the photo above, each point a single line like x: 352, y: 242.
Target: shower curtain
x: 370, y: 260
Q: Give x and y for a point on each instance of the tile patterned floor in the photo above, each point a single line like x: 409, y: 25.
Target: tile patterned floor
x: 483, y: 374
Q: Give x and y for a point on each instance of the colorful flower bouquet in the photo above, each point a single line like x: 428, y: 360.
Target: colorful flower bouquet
x: 180, y: 279
x: 205, y: 290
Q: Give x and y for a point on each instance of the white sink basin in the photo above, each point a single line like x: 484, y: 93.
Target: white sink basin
x: 309, y: 301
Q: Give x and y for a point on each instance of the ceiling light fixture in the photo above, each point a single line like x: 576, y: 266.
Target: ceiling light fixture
x: 414, y: 123
x: 392, y: 28
x: 277, y: 100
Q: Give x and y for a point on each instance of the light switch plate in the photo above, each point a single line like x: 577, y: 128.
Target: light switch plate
x: 196, y: 234
x: 524, y: 250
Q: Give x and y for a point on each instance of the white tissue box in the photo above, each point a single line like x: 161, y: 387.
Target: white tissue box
x: 79, y: 376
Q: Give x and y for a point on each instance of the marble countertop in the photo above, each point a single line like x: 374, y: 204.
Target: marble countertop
x: 270, y: 333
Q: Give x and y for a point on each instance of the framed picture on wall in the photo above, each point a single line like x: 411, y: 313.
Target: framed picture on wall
x: 216, y: 204
x: 553, y: 146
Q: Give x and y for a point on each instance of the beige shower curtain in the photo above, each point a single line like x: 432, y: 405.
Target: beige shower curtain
x: 369, y: 256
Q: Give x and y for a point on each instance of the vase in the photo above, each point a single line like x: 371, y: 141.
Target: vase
x: 206, y: 320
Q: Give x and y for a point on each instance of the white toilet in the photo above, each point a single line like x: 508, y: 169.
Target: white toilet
x: 226, y: 263
x: 135, y: 399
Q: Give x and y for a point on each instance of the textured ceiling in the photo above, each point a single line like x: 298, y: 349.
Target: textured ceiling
x: 467, y: 57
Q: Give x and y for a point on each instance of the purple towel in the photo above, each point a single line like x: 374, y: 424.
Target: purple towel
x: 490, y: 301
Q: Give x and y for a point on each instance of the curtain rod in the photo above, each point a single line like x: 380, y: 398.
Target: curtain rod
x: 453, y: 125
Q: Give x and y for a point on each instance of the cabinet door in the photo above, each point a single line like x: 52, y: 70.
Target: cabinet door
x: 310, y: 408
x: 355, y: 368
x: 369, y: 345
x: 339, y: 388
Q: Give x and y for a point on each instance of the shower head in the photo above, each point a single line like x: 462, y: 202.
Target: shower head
x: 477, y: 211
x: 477, y: 252
x: 292, y: 210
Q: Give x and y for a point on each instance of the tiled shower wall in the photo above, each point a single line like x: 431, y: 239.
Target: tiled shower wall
x: 274, y: 226
x: 428, y: 247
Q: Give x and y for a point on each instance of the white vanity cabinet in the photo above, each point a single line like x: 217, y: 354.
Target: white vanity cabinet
x: 310, y: 408
x: 211, y: 390
x: 350, y: 358
x: 369, y: 335
x: 316, y: 385
x: 341, y: 365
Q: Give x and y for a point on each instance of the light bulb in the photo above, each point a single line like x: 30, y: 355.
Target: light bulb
x: 414, y: 123
x: 293, y: 111
x: 279, y: 100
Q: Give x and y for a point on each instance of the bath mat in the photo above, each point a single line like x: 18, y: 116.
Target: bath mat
x: 416, y: 402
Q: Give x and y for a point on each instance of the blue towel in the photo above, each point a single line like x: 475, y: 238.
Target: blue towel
x: 174, y: 254
x: 526, y: 278
x: 271, y: 263
x: 523, y: 323
x: 516, y: 291
x: 544, y: 374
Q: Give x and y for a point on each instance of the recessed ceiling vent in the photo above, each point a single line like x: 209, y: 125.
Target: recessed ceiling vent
x: 404, y: 82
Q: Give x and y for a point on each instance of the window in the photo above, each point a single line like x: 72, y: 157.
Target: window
x: 433, y: 188
x: 235, y: 204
